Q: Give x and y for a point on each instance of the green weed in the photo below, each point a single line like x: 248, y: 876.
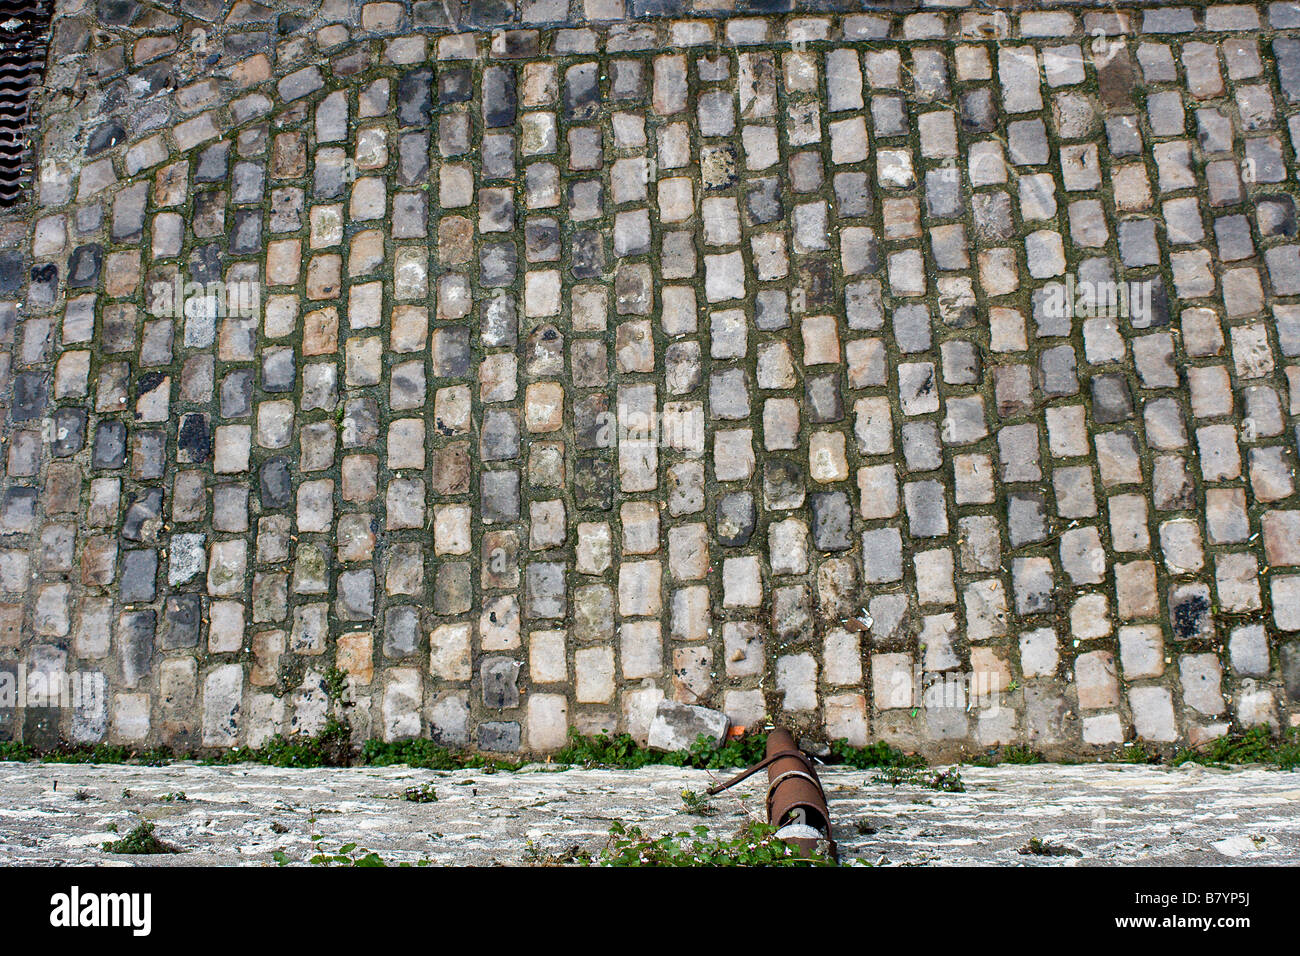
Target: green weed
x: 141, y: 840
x: 755, y: 845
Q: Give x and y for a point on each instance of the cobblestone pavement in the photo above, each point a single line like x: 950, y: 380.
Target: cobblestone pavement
x: 241, y: 815
x: 920, y: 375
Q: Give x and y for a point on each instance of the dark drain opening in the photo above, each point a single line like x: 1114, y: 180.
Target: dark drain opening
x: 24, y: 35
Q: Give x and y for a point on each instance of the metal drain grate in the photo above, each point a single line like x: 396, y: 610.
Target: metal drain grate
x: 24, y: 35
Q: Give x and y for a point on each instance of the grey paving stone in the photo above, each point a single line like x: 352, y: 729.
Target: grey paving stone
x: 844, y: 372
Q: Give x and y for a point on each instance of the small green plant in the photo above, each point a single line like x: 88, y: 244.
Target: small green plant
x: 697, y: 804
x: 336, y: 684
x: 427, y: 755
x: 12, y: 750
x: 1135, y: 753
x: 332, y: 747
x: 1005, y: 755
x: 1040, y: 847
x: 141, y: 840
x: 156, y: 757
x: 176, y: 797
x: 622, y: 751
x: 741, y: 751
x: 424, y: 793
x: 1022, y: 756
x: 1256, y: 745
x: 533, y: 855
x: 948, y: 781
x: 81, y: 753
x: 99, y: 753
x: 864, y: 828
x: 603, y: 750
x: 349, y: 854
x: 755, y: 845
x: 878, y: 754
x: 95, y: 753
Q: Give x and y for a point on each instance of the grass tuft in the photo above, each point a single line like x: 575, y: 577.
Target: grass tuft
x: 755, y: 845
x: 948, y: 781
x: 141, y: 840
x: 1256, y: 745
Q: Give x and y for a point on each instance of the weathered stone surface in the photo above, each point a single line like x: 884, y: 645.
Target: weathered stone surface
x: 1106, y: 813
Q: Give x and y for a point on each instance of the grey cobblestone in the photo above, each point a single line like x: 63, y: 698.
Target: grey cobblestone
x: 632, y: 353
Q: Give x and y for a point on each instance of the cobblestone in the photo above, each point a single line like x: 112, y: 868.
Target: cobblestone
x: 597, y: 356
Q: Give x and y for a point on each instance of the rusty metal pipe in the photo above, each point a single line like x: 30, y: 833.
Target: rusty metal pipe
x: 796, y: 802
